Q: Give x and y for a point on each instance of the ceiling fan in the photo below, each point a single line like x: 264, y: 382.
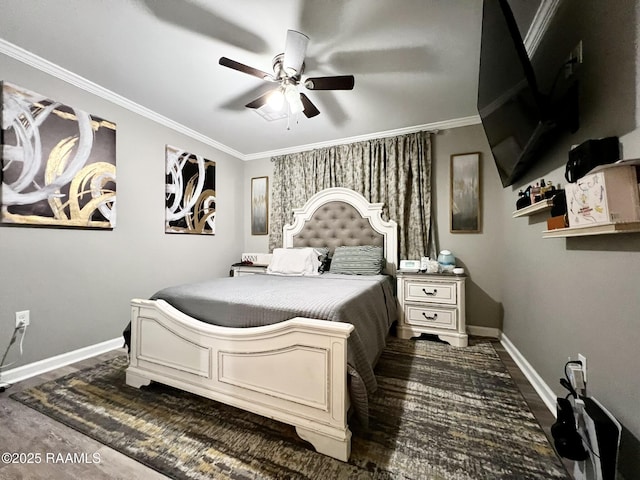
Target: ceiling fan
x: 287, y: 71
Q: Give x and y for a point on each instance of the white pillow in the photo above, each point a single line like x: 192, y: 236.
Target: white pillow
x: 294, y: 261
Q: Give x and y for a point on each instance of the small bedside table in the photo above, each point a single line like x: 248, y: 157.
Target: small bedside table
x: 434, y: 304
x: 241, y: 270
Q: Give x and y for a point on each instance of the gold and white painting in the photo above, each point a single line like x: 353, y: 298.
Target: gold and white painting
x: 58, y: 163
x: 190, y: 197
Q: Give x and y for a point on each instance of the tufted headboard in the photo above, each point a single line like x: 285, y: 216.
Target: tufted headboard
x: 340, y: 216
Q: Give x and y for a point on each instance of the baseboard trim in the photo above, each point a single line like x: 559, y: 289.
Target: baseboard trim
x: 484, y: 331
x: 42, y: 366
x: 540, y: 386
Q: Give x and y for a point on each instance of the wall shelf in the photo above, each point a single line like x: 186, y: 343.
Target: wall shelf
x: 541, y: 206
x: 630, y: 227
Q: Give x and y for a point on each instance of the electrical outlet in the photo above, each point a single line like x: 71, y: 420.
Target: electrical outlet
x: 22, y: 318
x: 574, y: 373
x: 583, y: 359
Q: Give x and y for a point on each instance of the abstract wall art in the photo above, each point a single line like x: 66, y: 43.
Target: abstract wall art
x: 260, y: 206
x: 190, y: 197
x: 58, y: 163
x: 465, y: 193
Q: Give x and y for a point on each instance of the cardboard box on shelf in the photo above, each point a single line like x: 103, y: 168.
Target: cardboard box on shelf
x: 607, y: 194
x: 554, y: 223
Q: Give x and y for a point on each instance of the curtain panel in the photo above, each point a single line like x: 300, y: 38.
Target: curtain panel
x: 395, y: 171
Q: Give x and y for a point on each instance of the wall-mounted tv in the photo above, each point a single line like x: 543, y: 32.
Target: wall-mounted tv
x: 520, y: 122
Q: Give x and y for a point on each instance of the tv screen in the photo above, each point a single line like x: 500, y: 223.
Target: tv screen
x: 518, y: 120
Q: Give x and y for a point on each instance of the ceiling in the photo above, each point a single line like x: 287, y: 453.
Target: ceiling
x: 415, y: 62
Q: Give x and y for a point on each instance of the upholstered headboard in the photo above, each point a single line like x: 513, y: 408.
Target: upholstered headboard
x: 340, y: 216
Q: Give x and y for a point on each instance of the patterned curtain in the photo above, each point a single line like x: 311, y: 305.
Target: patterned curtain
x: 395, y: 171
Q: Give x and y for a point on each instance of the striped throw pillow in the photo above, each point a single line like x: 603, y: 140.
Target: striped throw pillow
x: 360, y: 260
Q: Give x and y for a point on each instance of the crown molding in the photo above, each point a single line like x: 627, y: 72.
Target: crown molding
x: 67, y: 76
x: 434, y: 127
x: 539, y: 25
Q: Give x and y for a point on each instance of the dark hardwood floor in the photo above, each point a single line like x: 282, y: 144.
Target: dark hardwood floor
x: 26, y: 431
x: 538, y: 407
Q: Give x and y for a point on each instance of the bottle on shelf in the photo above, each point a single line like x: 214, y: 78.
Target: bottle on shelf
x: 535, y: 193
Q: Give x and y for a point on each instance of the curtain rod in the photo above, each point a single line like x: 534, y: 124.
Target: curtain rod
x: 431, y: 132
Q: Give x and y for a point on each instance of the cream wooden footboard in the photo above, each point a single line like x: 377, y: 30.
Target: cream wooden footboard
x: 294, y: 371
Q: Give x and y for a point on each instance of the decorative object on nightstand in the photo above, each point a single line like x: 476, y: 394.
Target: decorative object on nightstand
x: 251, y: 264
x: 432, y: 304
x: 410, y: 265
x: 446, y: 261
x: 241, y: 269
x: 432, y: 266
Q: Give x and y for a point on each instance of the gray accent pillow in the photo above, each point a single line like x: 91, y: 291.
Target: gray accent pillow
x: 358, y: 260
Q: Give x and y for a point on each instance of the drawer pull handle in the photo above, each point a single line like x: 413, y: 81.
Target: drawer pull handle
x: 435, y: 315
x: 432, y: 293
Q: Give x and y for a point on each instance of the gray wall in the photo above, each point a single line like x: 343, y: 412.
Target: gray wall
x: 568, y: 296
x: 472, y: 250
x: 478, y: 253
x: 555, y: 298
x: 78, y: 283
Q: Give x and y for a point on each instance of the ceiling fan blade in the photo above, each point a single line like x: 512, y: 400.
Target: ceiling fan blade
x: 260, y: 101
x: 295, y: 50
x: 310, y: 109
x: 339, y: 82
x: 241, y: 67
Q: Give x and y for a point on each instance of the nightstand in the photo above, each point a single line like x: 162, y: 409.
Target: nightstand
x: 433, y: 304
x: 241, y: 270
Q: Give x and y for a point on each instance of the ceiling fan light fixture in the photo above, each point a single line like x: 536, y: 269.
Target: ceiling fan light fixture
x: 276, y: 99
x: 288, y: 68
x: 294, y: 52
x: 293, y: 99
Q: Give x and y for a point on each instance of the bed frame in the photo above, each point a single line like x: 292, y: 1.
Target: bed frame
x: 294, y: 371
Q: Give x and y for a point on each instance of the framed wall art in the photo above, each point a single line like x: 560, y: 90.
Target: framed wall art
x: 260, y: 206
x: 190, y: 194
x: 465, y: 193
x: 58, y: 163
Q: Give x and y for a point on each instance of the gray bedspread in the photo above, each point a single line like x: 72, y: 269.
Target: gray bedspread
x: 367, y: 302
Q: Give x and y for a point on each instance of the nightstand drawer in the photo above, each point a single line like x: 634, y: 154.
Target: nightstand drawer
x: 417, y: 291
x: 427, y: 316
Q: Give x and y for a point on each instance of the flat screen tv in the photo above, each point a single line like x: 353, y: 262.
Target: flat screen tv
x: 520, y: 122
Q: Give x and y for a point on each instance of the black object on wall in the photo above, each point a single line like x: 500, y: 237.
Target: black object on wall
x: 604, y: 436
x: 566, y: 438
x: 520, y: 121
x: 559, y: 205
x: 589, y: 155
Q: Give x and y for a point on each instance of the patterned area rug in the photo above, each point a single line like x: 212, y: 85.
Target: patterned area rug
x: 440, y: 413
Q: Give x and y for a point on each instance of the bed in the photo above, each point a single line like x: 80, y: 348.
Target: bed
x: 306, y: 370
